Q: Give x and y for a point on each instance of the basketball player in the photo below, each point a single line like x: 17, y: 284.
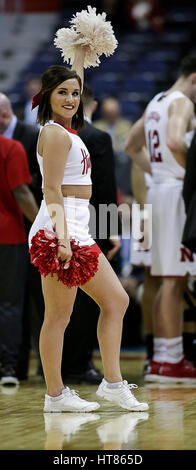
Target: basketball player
x: 162, y: 128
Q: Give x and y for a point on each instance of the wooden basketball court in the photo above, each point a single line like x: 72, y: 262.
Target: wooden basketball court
x: 169, y: 424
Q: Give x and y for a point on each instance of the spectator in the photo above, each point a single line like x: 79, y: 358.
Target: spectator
x: 145, y: 14
x: 12, y: 127
x: 77, y: 362
x: 16, y: 199
x: 118, y: 128
x: 33, y: 86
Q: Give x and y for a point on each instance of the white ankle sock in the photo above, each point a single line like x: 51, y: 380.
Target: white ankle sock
x: 113, y: 384
x: 159, y: 348
x: 58, y: 397
x: 174, y: 352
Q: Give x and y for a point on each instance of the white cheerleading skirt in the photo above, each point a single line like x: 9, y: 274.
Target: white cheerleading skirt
x: 77, y: 217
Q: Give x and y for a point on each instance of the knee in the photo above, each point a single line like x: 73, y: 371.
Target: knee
x: 122, y: 302
x: 175, y: 287
x: 118, y: 305
x: 63, y: 321
x: 125, y: 301
x: 59, y: 318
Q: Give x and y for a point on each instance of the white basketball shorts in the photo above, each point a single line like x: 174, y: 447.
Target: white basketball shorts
x: 169, y: 257
x: 139, y: 256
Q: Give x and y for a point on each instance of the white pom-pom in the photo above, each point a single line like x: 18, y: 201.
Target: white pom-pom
x: 90, y: 29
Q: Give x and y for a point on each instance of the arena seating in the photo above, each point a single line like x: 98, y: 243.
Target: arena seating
x: 144, y: 63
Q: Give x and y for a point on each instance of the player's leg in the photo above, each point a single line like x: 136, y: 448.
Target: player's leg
x: 171, y: 306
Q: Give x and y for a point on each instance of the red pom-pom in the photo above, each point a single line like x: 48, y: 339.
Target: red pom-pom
x: 82, y: 266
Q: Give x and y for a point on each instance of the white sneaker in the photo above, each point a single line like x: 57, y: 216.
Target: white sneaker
x: 7, y: 390
x: 121, y: 395
x: 69, y: 400
x: 8, y: 376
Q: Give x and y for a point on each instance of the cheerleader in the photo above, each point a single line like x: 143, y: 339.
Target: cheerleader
x: 60, y: 245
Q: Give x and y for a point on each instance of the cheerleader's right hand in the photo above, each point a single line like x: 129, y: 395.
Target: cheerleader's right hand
x: 64, y: 252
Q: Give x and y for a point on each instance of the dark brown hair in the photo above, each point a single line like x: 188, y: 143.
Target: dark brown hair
x: 188, y: 65
x: 51, y: 78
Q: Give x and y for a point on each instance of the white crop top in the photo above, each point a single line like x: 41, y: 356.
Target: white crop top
x: 78, y: 166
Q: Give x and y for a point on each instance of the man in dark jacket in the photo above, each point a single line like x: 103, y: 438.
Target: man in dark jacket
x: 81, y: 332
x: 189, y: 185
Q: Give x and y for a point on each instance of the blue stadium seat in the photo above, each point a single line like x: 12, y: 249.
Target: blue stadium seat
x: 165, y: 55
x: 130, y: 109
x: 102, y: 88
x: 181, y: 15
x: 138, y: 84
x: 175, y: 37
x: 152, y: 65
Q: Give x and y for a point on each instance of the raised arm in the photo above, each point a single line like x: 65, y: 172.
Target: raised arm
x: 136, y: 146
x: 78, y: 64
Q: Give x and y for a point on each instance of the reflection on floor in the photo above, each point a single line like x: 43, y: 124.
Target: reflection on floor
x: 169, y: 424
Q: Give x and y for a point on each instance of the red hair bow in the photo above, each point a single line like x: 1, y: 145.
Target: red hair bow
x: 36, y: 100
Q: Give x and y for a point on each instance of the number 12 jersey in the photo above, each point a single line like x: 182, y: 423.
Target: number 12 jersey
x: 164, y: 165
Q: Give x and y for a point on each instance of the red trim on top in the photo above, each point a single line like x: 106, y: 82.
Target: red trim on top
x: 73, y: 131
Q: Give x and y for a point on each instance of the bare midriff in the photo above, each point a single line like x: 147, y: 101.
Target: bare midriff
x: 78, y: 191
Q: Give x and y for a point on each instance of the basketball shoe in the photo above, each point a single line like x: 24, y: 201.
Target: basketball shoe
x: 8, y: 376
x: 68, y: 400
x: 121, y: 395
x: 182, y: 372
x: 152, y: 372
